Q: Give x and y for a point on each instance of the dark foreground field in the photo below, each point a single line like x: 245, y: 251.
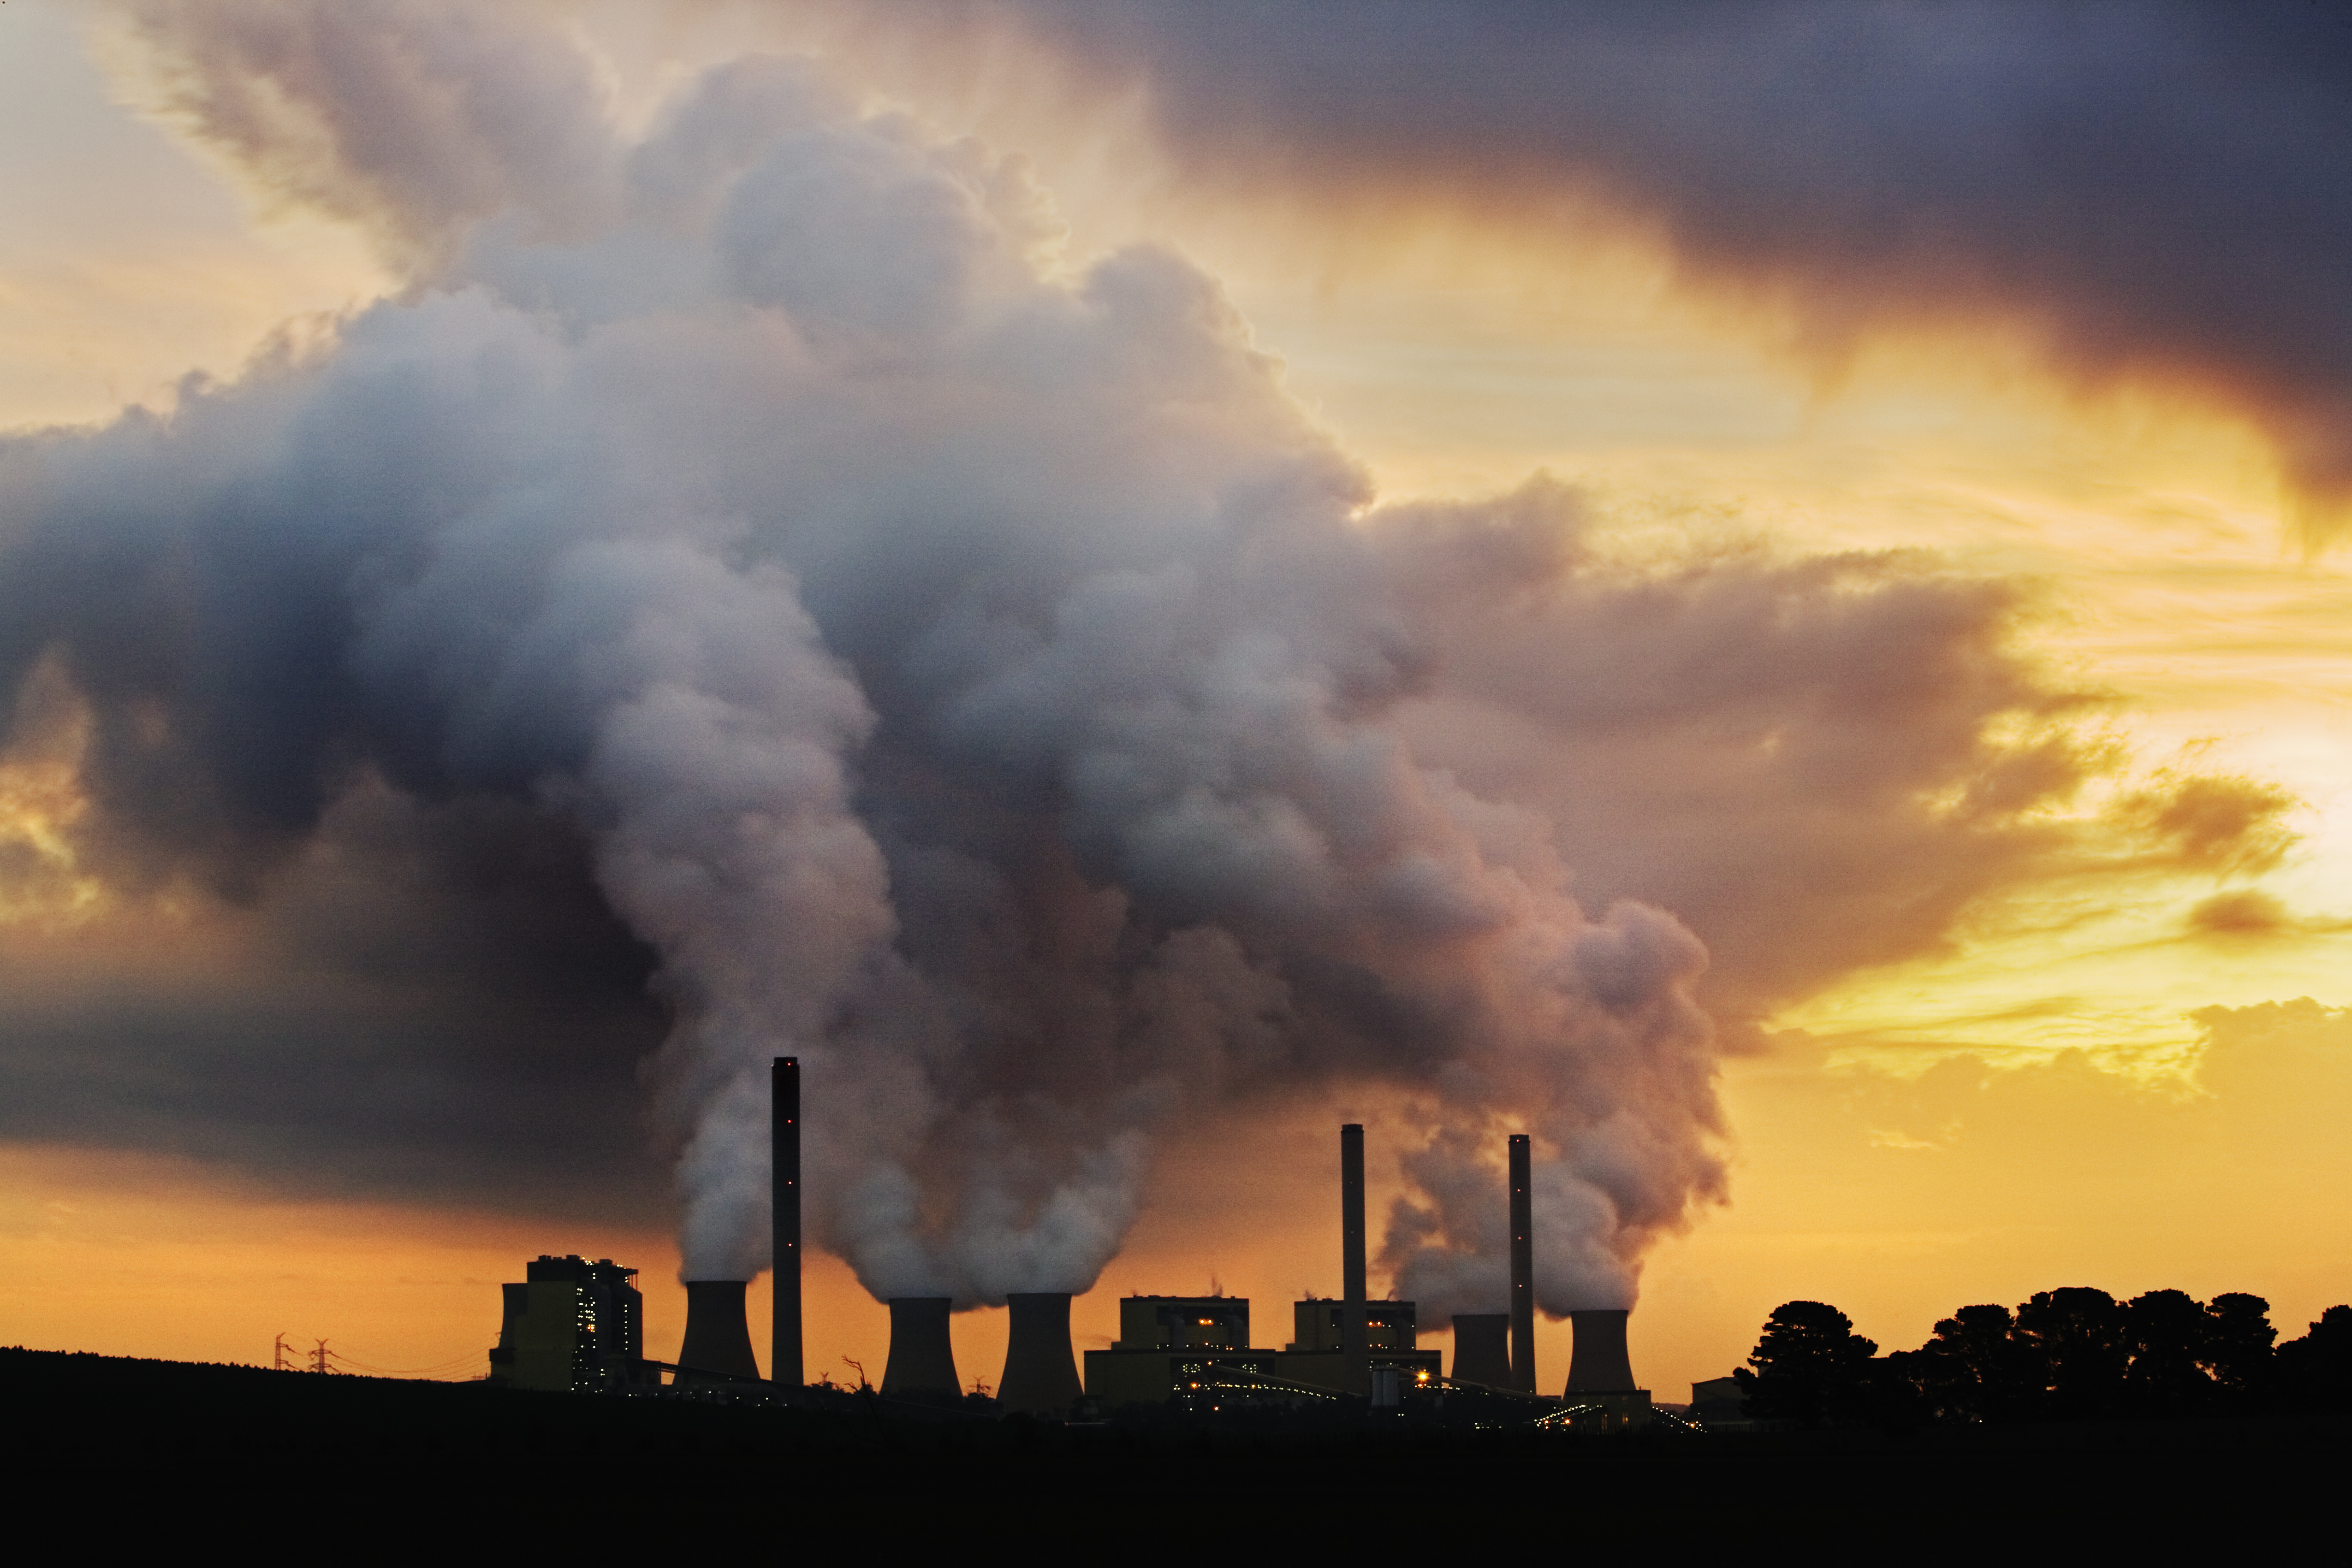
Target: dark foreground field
x: 139, y: 1449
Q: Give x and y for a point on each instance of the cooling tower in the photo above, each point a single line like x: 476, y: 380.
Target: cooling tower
x: 1523, y: 1270
x: 1040, y: 1375
x: 516, y: 1299
x: 1482, y: 1348
x: 1355, y: 1366
x: 1598, y: 1364
x: 784, y: 1209
x: 717, y: 1336
x: 922, y: 1361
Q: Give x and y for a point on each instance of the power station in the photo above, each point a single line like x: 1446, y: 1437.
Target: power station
x: 570, y: 1324
x: 574, y: 1324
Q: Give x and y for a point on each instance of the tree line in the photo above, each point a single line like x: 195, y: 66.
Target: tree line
x: 2076, y: 1353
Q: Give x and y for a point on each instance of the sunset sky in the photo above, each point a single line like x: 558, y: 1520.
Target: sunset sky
x: 1944, y: 419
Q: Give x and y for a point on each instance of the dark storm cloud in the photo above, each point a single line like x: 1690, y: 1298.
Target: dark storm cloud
x: 420, y: 1003
x: 748, y: 556
x: 1834, y: 697
x: 2158, y: 188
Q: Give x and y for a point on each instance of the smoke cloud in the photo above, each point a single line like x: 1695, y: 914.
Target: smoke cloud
x: 2150, y: 189
x: 965, y: 669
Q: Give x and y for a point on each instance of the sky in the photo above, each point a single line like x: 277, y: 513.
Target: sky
x: 1787, y: 572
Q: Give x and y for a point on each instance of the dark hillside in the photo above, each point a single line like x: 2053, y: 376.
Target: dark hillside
x: 259, y: 1454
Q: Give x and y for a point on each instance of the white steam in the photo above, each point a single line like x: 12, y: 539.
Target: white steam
x: 981, y: 680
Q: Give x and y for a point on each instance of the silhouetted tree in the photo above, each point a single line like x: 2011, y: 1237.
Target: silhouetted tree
x: 2080, y: 1343
x: 2237, y: 1353
x: 1973, y: 1370
x: 2078, y: 1353
x: 1808, y: 1366
x: 2169, y: 1331
x: 1889, y: 1393
x: 2315, y: 1371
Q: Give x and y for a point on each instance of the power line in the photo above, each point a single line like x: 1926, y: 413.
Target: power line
x: 325, y: 1358
x: 451, y: 1365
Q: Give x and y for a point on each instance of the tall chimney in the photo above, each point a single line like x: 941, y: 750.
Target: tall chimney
x: 1599, y: 1364
x: 718, y: 1334
x: 1040, y: 1375
x: 784, y: 1211
x: 1482, y: 1348
x: 922, y: 1359
x: 1523, y: 1270
x: 1356, y: 1371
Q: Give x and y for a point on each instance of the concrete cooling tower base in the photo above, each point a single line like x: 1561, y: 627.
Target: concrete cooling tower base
x: 1601, y: 1374
x: 922, y: 1355
x: 1482, y: 1349
x: 718, y: 1345
x: 1040, y: 1375
x: 1599, y: 1364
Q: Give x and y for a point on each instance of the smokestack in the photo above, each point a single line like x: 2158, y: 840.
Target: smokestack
x: 922, y: 1359
x: 718, y: 1334
x: 1598, y: 1364
x: 1523, y: 1270
x: 1040, y: 1375
x: 1482, y: 1348
x: 784, y: 1214
x: 1355, y: 1371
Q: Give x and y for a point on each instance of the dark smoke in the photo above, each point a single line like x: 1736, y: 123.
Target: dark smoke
x: 2155, y: 188
x: 968, y: 671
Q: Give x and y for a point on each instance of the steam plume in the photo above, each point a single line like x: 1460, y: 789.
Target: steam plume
x: 971, y: 671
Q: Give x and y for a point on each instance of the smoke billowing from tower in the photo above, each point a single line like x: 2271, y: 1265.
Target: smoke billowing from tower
x: 963, y: 664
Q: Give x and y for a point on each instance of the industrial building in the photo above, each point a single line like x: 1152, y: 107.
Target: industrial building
x: 1720, y: 1404
x: 570, y: 1324
x: 1167, y: 1344
x: 1318, y: 1353
x: 578, y: 1325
